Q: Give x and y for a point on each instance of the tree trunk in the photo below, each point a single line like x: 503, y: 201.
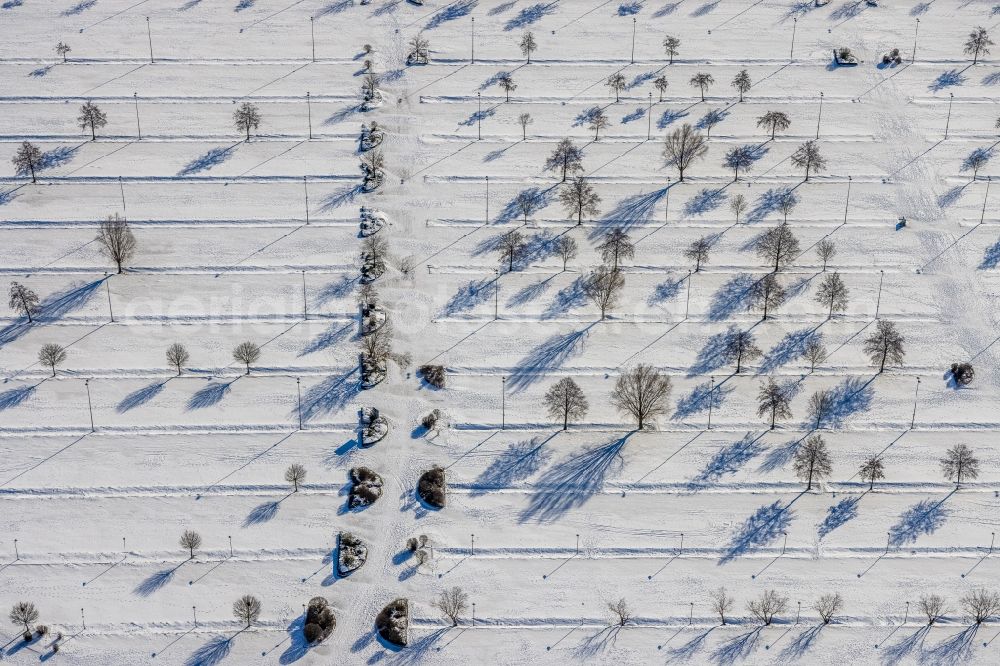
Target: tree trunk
x: 32, y: 167
x: 93, y: 132
x: 566, y: 413
x: 248, y: 368
x: 774, y: 415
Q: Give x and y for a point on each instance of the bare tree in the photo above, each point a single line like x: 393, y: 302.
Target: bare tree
x: 369, y: 88
x: 820, y: 404
x: 812, y: 461
x: 565, y: 401
x: 24, y: 613
x: 177, y: 356
x: 872, y: 470
x: 976, y: 160
x: 960, y: 463
x: 742, y: 82
x: 247, y: 353
x: 566, y: 248
x: 769, y: 605
x: 420, y: 50
x: 808, y: 157
x: 766, y: 294
x: 62, y: 50
x: 616, y: 82
x: 524, y: 120
x: 27, y: 159
x: 786, y: 204
x: 510, y: 246
x: 117, y: 240
x: 814, y: 351
x: 247, y: 609
x: 506, y: 82
x: 683, y: 146
x: 885, y: 345
x: 981, y: 604
x: 833, y: 294
x: 775, y: 121
x: 246, y: 118
x: 740, y: 346
x: 722, y: 603
x: 778, y: 245
x: 190, y: 540
x: 828, y: 605
x: 91, y: 116
x: 374, y: 253
x: 620, y: 612
x: 23, y: 300
x: 978, y: 44
x: 452, y: 603
x: 697, y: 252
x: 740, y: 157
x: 642, y: 392
x: 702, y: 81
x: 580, y: 199
x: 711, y: 118
x: 528, y: 45
x: 603, y: 287
x: 617, y: 245
x: 738, y: 204
x: 598, y: 121
x: 933, y: 606
x: 566, y: 158
x: 826, y: 250
x: 672, y: 47
x: 295, y: 474
x: 661, y: 84
x: 52, y: 355
x: 773, y: 401
x: 528, y: 201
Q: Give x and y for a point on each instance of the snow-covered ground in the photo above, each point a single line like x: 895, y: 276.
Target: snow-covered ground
x: 259, y: 240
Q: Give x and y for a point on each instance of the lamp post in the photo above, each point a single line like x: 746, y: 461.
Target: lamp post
x: 107, y: 288
x: 711, y: 401
x: 632, y: 59
x: 496, y: 294
x: 312, y: 35
x: 479, y: 117
x: 310, y: 112
x: 90, y: 405
x: 138, y: 127
x: 819, y: 117
x: 982, y: 215
x: 487, y: 199
x: 649, y: 118
x: 947, y: 124
x: 791, y: 52
x: 503, y: 402
x: 847, y: 202
x: 687, y: 303
x: 149, y: 35
x: 878, y: 299
x: 298, y: 392
x: 472, y: 59
x: 916, y: 29
x: 305, y: 187
x: 916, y: 392
x: 230, y: 546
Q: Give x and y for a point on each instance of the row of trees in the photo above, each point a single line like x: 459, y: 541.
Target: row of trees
x: 53, y: 355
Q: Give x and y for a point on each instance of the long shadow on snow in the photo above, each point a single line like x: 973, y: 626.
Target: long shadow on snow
x: 953, y: 651
x: 212, y: 158
x: 331, y: 395
x: 571, y: 482
x: 211, y: 653
x: 736, y: 648
x: 839, y: 514
x: 140, y: 397
x: 545, y: 358
x: 569, y: 297
x: 630, y: 211
x: 451, y: 12
x: 700, y: 399
x: 849, y: 397
x: 764, y: 526
x: 800, y: 644
x: 14, y: 397
x: 210, y: 395
x: 53, y: 308
x: 518, y: 462
x: 530, y: 15
x: 731, y: 297
x: 728, y: 460
x: 895, y: 653
x: 790, y: 348
x: 924, y: 517
x: 156, y: 581
x: 688, y: 650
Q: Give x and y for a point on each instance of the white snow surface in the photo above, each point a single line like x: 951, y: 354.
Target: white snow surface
x: 542, y: 528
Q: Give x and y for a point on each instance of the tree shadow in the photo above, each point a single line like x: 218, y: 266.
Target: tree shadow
x: 518, y: 462
x: 954, y: 650
x: 213, y: 158
x: 473, y: 293
x: 330, y: 395
x: 706, y: 200
x: 849, y: 397
x: 79, y: 8
x: 56, y: 157
x: 688, y: 650
x: 712, y: 355
x: 338, y: 289
x: 571, y: 482
x: 700, y: 399
x: 951, y: 197
x: 593, y: 645
x: 779, y: 456
x: 628, y: 212
x: 12, y: 398
x: 665, y: 291
x: 667, y: 9
x: 767, y: 203
x: 530, y: 15
x: 731, y: 297
x: 328, y: 338
x: 706, y: 8
x: 924, y: 517
x: 511, y: 210
x: 156, y: 581
x: 263, y: 513
x: 895, y: 653
x: 141, y: 397
x: 297, y: 647
x: 210, y: 395
x: 530, y: 292
x: 212, y: 652
x: 738, y: 647
x: 339, y: 198
x: 545, y: 358
x: 800, y: 644
x: 991, y: 257
x: 630, y: 8
x: 420, y: 650
x: 633, y: 116
x: 948, y: 79
x: 335, y: 7
x: 764, y: 526
x: 569, y: 297
x: 979, y: 155
x: 728, y: 460
x: 52, y: 308
x: 790, y: 348
x: 501, y: 8
x: 669, y: 117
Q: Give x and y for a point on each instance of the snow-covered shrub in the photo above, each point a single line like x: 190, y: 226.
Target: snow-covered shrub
x: 433, y: 375
x: 374, y: 426
x: 366, y: 487
x: 352, y: 553
x: 320, y: 620
x: 432, y: 487
x: 963, y: 373
x: 393, y: 621
x: 430, y: 421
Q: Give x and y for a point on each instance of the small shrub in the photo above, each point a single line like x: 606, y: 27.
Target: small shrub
x: 430, y: 421
x: 963, y: 373
x: 432, y: 487
x: 27, y: 636
x: 41, y: 630
x: 320, y: 620
x: 313, y: 633
x: 413, y: 544
x: 433, y: 375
